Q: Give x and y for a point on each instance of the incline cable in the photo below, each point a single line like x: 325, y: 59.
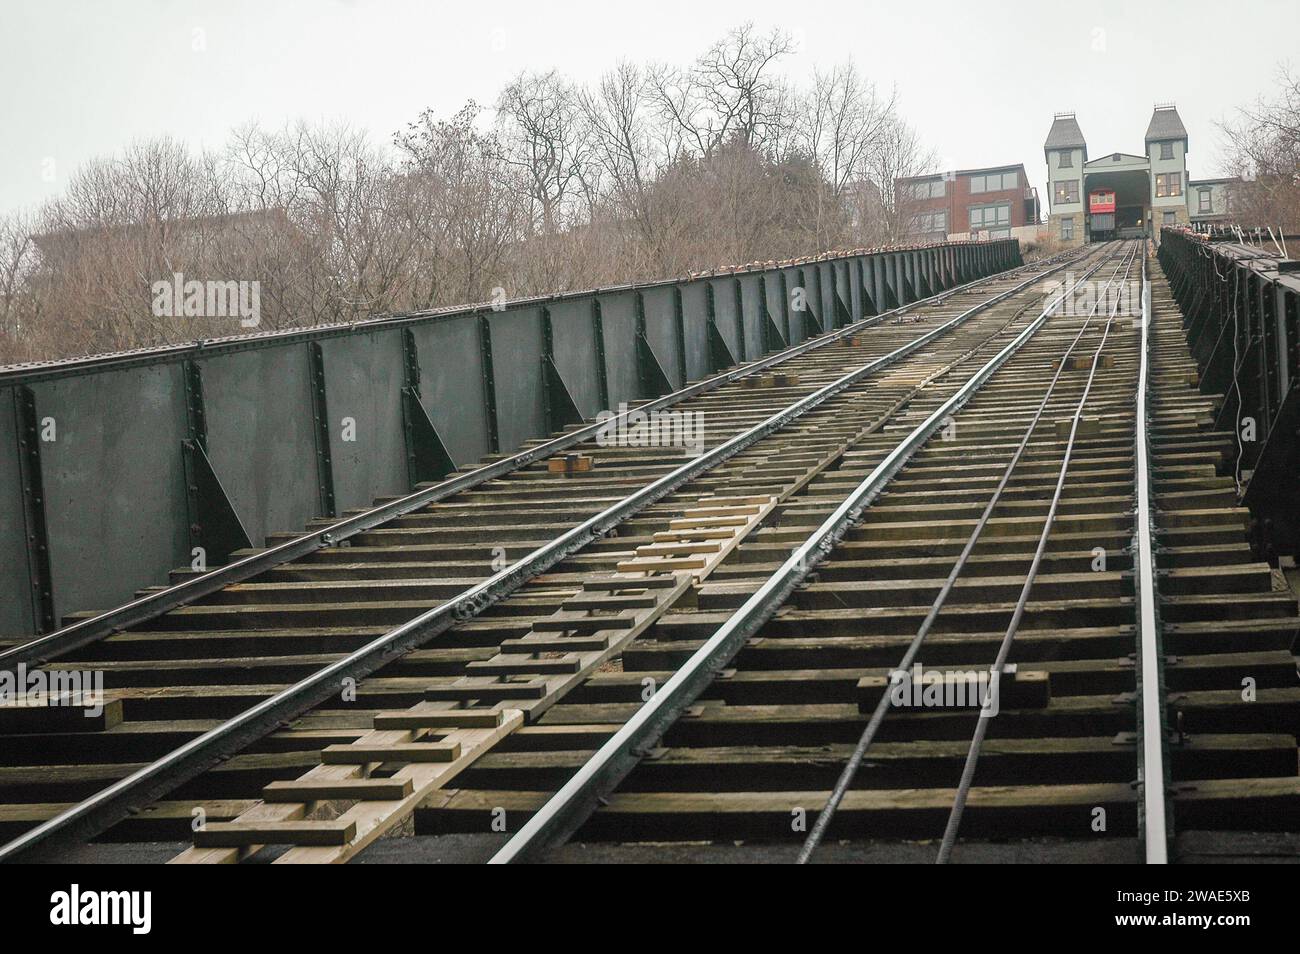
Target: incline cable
x: 818, y: 832
x: 1004, y: 650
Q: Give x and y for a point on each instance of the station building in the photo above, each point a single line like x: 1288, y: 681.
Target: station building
x: 1122, y: 194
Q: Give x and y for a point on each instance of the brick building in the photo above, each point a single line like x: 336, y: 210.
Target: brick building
x: 987, y: 202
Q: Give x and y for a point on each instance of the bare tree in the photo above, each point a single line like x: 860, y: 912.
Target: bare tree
x: 472, y: 212
x: 649, y: 172
x: 622, y: 147
x: 1263, y: 147
x: 899, y: 153
x: 843, y: 127
x: 18, y: 257
x: 730, y: 91
x: 541, y: 131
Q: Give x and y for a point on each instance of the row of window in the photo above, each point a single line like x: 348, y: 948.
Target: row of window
x: 995, y: 182
x: 930, y: 222
x: 931, y: 189
x: 988, y: 216
x: 937, y: 188
x: 1065, y: 159
x: 1168, y: 184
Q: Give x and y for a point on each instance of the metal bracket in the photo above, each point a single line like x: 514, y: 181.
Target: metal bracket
x: 785, y: 305
x: 561, y: 409
x: 922, y: 285
x: 775, y: 341
x: 868, y: 301
x: 890, y: 281
x: 740, y: 318
x: 214, y: 523
x: 427, y: 457
x: 720, y: 355
x: 842, y: 315
x: 908, y: 290
x: 654, y: 381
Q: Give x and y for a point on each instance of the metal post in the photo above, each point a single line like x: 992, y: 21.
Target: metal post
x: 39, y: 577
x: 320, y: 416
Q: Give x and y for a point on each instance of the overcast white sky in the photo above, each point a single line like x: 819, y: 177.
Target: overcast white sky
x: 980, y: 81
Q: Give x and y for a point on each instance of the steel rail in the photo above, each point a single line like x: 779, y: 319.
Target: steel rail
x: 45, y: 648
x: 850, y: 771
x: 566, y: 811
x: 1154, y: 818
x: 949, y: 840
x: 92, y: 815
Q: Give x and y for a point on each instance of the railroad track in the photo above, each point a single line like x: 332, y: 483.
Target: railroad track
x: 750, y: 753
x: 217, y: 661
x: 565, y: 596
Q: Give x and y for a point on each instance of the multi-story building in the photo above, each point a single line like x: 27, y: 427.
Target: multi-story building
x: 987, y: 202
x: 1122, y: 194
x: 1211, y: 200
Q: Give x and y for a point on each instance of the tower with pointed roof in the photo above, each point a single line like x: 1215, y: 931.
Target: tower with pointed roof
x: 1166, y: 149
x: 1066, y: 152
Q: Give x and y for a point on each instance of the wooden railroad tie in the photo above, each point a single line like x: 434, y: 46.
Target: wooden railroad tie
x: 571, y: 464
x: 59, y: 714
x: 778, y: 379
x: 1083, y: 362
x: 1017, y: 689
x: 1088, y: 427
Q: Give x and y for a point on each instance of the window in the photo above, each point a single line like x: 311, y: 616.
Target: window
x: 1066, y: 161
x: 1171, y: 218
x: 1204, y: 201
x: 989, y: 216
x: 999, y: 233
x: 996, y: 182
x: 1169, y: 184
x: 1166, y: 150
x: 1067, y: 191
x: 1067, y: 228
